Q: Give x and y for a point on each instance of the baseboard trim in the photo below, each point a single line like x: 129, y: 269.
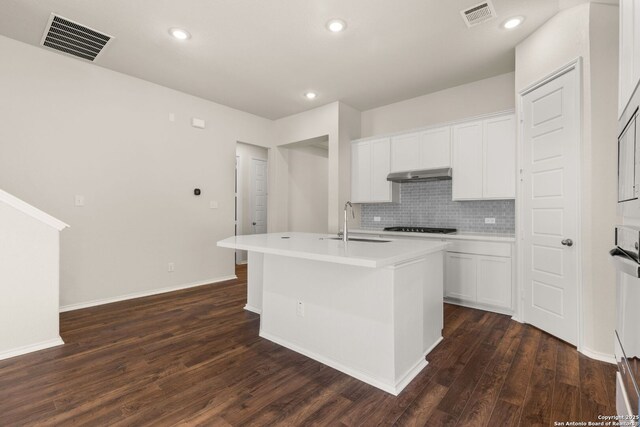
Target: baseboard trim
x: 31, y: 348
x: 252, y: 309
x: 596, y: 355
x: 482, y: 307
x: 393, y: 389
x: 94, y: 303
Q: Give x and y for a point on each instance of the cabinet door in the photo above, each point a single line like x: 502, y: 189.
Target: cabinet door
x: 360, y: 172
x: 435, y: 148
x: 461, y: 276
x: 494, y: 281
x: 499, y: 157
x: 381, y: 189
x: 467, y: 161
x: 405, y: 151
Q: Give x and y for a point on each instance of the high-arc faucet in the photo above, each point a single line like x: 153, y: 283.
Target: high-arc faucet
x: 345, y: 231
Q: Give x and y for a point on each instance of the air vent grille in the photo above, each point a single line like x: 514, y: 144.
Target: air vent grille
x: 478, y: 14
x: 74, y: 39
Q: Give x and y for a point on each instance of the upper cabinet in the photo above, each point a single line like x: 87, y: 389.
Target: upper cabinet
x: 421, y: 150
x: 629, y: 55
x: 484, y: 159
x: 370, y: 165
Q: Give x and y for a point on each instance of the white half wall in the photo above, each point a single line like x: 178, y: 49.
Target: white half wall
x: 73, y: 128
x: 29, y: 275
x: 468, y: 100
x: 589, y: 31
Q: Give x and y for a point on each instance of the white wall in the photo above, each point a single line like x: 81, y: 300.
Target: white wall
x: 70, y: 128
x: 589, y: 31
x: 29, y: 254
x: 308, y: 190
x: 468, y: 100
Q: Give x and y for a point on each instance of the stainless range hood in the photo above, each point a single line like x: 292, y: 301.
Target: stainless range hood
x: 420, y: 175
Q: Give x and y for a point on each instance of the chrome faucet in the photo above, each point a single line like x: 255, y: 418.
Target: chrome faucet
x: 345, y: 231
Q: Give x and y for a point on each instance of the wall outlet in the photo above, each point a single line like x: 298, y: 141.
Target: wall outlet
x: 171, y: 267
x: 489, y: 220
x: 172, y: 117
x: 376, y: 219
x: 197, y: 123
x: 213, y: 204
x: 300, y: 309
x: 79, y: 201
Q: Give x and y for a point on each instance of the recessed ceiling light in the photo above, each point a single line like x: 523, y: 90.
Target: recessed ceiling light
x: 512, y: 23
x: 336, y: 25
x: 179, y: 33
x: 310, y: 95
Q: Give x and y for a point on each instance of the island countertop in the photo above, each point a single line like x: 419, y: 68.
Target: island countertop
x: 321, y: 247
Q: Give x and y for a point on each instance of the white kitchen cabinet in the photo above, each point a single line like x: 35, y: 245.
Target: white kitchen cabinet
x: 435, y: 148
x: 405, y: 151
x: 467, y: 161
x: 461, y: 276
x: 629, y: 53
x: 499, y: 158
x: 494, y: 281
x: 484, y: 159
x: 481, y: 278
x: 370, y: 165
x: 421, y: 150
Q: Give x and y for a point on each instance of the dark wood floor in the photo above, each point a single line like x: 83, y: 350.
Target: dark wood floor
x: 194, y: 357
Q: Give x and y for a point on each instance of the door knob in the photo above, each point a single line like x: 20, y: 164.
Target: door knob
x: 254, y: 223
x: 567, y: 242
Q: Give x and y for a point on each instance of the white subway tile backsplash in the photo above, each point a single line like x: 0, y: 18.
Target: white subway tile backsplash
x: 429, y: 204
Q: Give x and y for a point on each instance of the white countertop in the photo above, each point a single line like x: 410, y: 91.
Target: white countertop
x: 320, y: 247
x: 484, y: 237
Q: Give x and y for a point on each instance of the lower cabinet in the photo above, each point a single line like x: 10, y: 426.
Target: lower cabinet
x: 479, y: 280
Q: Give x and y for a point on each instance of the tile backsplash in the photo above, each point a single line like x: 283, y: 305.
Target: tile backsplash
x: 429, y: 204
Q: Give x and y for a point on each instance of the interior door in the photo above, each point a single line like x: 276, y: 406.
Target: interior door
x: 259, y: 195
x: 550, y: 123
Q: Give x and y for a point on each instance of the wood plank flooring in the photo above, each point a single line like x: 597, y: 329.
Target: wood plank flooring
x: 193, y: 357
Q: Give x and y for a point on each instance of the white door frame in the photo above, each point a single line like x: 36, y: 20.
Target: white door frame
x: 576, y: 65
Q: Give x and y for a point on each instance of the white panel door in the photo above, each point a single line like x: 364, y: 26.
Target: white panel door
x: 499, y: 168
x: 360, y: 172
x: 494, y: 281
x: 259, y: 195
x: 380, y: 166
x: 435, y: 148
x: 461, y: 276
x: 405, y: 151
x: 467, y: 161
x: 550, y: 122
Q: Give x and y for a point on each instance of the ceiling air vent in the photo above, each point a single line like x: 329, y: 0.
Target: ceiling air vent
x: 478, y: 14
x: 74, y: 39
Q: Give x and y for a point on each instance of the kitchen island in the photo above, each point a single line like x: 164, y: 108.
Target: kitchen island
x: 371, y: 309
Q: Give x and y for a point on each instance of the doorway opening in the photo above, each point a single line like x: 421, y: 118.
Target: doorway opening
x: 251, y: 192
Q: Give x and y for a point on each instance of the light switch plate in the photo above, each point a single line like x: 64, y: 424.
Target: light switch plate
x: 489, y: 220
x: 213, y: 204
x: 376, y: 219
x: 79, y: 200
x: 172, y: 117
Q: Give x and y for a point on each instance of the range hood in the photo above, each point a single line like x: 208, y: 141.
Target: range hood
x: 420, y: 175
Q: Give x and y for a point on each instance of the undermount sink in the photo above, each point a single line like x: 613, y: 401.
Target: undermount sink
x: 357, y: 239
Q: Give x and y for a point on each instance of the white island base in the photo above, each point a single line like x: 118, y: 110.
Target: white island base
x: 375, y: 324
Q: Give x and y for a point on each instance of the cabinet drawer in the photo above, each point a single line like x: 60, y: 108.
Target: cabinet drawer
x: 480, y: 248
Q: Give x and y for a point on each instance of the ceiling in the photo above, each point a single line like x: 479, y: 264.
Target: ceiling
x: 260, y: 56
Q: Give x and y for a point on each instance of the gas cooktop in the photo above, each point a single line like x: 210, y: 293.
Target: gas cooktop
x: 422, y: 230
